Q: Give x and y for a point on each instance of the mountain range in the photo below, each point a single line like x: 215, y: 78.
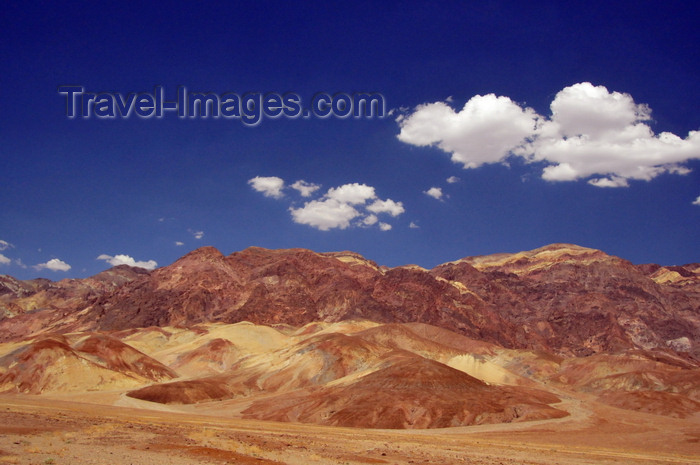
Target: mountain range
x: 336, y: 339
x: 567, y: 299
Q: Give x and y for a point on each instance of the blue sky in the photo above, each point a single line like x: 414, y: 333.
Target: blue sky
x: 509, y: 126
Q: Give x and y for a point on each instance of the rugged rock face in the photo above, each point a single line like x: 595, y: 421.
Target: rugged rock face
x: 583, y: 301
x: 18, y: 297
x: 563, y: 298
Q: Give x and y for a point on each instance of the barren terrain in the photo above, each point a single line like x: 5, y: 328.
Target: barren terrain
x: 41, y: 430
x: 560, y: 355
x: 314, y: 378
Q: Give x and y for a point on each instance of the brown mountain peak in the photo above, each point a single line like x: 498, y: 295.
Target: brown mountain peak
x: 542, y: 257
x: 120, y: 274
x: 206, y: 253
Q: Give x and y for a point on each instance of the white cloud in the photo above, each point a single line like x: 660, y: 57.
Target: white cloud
x: 592, y: 134
x: 305, y: 188
x: 384, y: 226
x: 434, y: 192
x: 370, y: 220
x: 452, y: 179
x: 21, y: 264
x: 4, y: 245
x: 413, y: 225
x: 127, y: 260
x: 179, y: 244
x: 4, y: 260
x: 386, y: 206
x: 325, y: 214
x: 341, y: 207
x: 353, y: 194
x: 484, y: 131
x: 197, y: 234
x: 697, y: 201
x: 54, y: 265
x: 270, y: 186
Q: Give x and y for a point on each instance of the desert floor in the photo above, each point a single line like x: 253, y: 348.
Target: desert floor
x: 84, y: 430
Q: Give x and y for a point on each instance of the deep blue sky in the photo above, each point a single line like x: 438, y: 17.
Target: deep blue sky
x: 76, y: 189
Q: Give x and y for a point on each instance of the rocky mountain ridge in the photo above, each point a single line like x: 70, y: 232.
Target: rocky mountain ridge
x: 562, y: 298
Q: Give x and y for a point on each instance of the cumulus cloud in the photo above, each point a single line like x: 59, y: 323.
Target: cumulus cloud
x: 486, y: 130
x: 269, y: 186
x: 4, y: 245
x: 434, y: 192
x: 179, y: 243
x: 452, y: 179
x: 305, y: 188
x: 386, y: 206
x: 413, y: 225
x: 697, y: 201
x: 345, y: 206
x: 127, y: 260
x: 325, y: 214
x: 54, y: 265
x: 351, y: 194
x: 370, y: 220
x: 341, y: 207
x: 592, y: 134
x: 4, y: 260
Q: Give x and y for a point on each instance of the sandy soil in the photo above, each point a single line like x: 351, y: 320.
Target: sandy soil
x: 69, y: 430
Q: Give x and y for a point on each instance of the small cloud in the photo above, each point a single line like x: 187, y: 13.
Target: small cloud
x: 697, y: 201
x: 54, y: 265
x: 386, y: 206
x: 352, y: 204
x: 179, y: 244
x: 196, y: 234
x: 325, y: 214
x: 4, y: 245
x: 353, y: 194
x: 384, y: 226
x: 452, y: 179
x: 341, y: 205
x: 127, y: 260
x: 434, y: 192
x: 370, y: 220
x: 413, y: 225
x: 20, y: 264
x: 4, y: 260
x: 270, y: 186
x: 305, y: 188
